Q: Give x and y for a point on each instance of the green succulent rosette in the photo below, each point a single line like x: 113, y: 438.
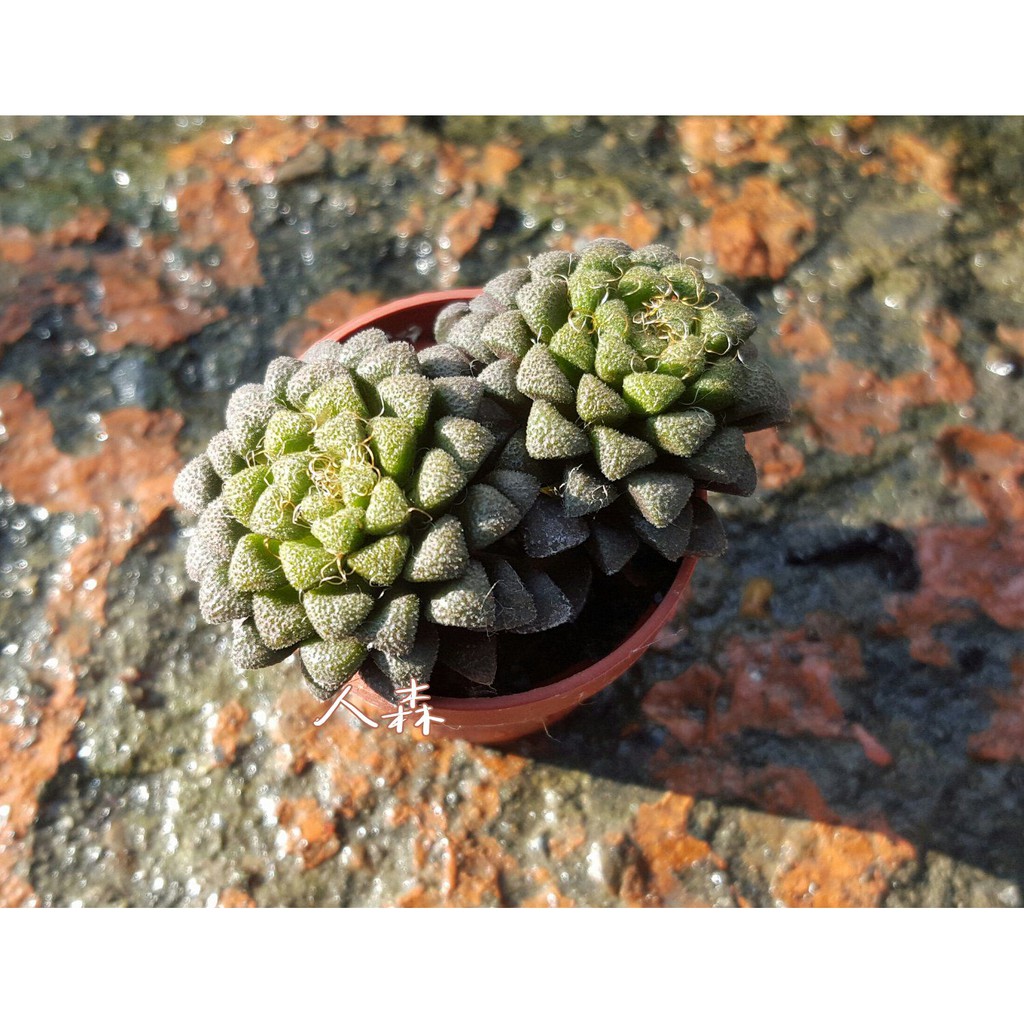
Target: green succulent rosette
x: 636, y: 382
x: 385, y: 510
x: 351, y: 510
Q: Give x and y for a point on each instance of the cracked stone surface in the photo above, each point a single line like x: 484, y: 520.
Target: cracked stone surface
x: 835, y: 717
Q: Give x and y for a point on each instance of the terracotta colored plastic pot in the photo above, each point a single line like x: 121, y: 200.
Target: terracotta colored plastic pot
x: 499, y: 719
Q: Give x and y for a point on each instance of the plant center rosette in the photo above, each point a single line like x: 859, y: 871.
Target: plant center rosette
x: 381, y: 509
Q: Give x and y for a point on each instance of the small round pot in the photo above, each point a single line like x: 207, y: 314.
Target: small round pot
x: 500, y: 719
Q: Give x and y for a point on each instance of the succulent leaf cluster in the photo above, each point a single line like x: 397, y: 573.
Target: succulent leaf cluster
x: 637, y: 382
x: 381, y: 509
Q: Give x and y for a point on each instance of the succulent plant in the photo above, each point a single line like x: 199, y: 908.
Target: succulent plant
x: 636, y: 382
x: 381, y: 509
x: 346, y: 512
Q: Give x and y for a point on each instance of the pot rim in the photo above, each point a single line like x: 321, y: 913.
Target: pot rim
x: 649, y: 623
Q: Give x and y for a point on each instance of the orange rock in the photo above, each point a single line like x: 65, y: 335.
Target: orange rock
x: 668, y: 849
x: 460, y: 232
x: 334, y: 308
x: 774, y: 789
x: 567, y: 842
x: 145, y: 306
x: 636, y: 227
x: 802, y: 337
x: 781, y: 684
x: 916, y: 162
x: 761, y: 232
x: 455, y: 862
x: 213, y: 215
x: 850, y: 406
x: 833, y: 866
x: 777, y: 461
x: 960, y: 565
x: 226, y: 733
x: 310, y: 831
x: 728, y: 141
x: 990, y: 467
x: 235, y: 898
x: 469, y: 168
x: 128, y: 484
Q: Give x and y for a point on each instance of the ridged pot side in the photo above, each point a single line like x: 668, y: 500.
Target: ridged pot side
x: 501, y: 719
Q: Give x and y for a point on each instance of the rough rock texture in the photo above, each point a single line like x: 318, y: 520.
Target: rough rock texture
x: 836, y: 717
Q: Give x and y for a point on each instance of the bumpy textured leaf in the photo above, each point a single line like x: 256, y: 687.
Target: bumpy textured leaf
x: 499, y: 380
x: 386, y: 361
x: 458, y: 396
x: 393, y: 444
x: 255, y: 565
x: 680, y: 433
x: 540, y: 377
x: 217, y: 529
x: 507, y: 335
x: 597, y: 403
x: 337, y: 610
x: 447, y: 319
x: 381, y: 562
x: 279, y: 372
x: 544, y: 304
x: 553, y: 608
x: 466, y: 602
x: 248, y: 650
x: 611, y: 547
x: 659, y: 496
x: 466, y: 441
x: 408, y: 397
x: 305, y: 562
x: 619, y: 454
x: 549, y: 435
x: 273, y: 515
x: 392, y: 627
x: 466, y: 335
x: 520, y: 488
x: 341, y: 435
x: 513, y: 603
x: 608, y: 254
x: 287, y: 432
x: 573, y: 347
x: 338, y: 395
x: 707, y: 537
x: 585, y: 492
x: 281, y: 619
x: 218, y: 600
x: 547, y: 530
x: 308, y: 379
x: 438, y: 479
x: 724, y: 464
x: 248, y: 413
x: 445, y: 361
x: 388, y: 510
x: 197, y: 485
x: 329, y: 664
x: 223, y: 457
x: 243, y: 490
x: 440, y: 554
x: 669, y: 541
x: 487, y: 516
x: 588, y: 288
x: 650, y: 393
x: 504, y: 286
